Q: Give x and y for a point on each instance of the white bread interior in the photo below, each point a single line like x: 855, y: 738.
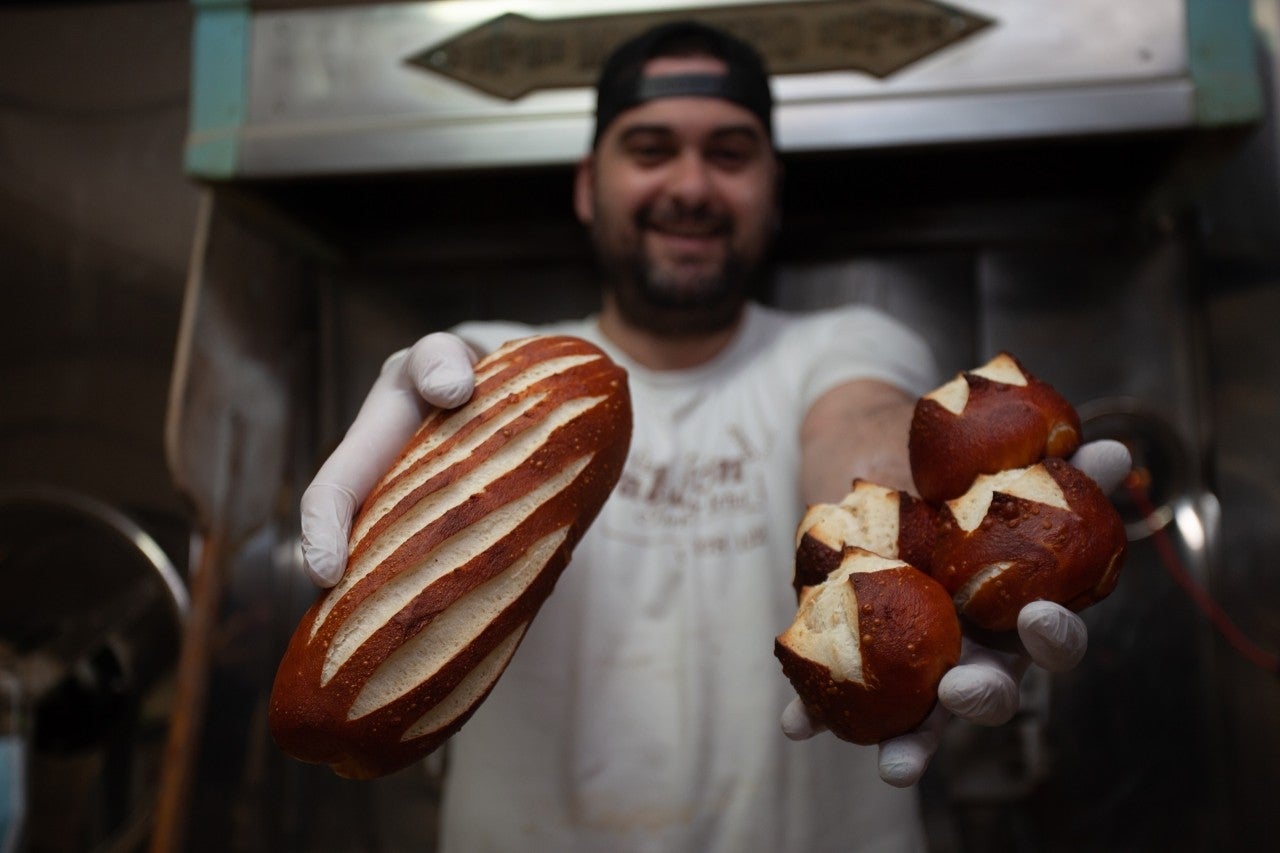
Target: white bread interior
x: 979, y: 579
x: 1032, y: 483
x: 469, y: 690
x: 437, y: 431
x: 399, y: 591
x: 424, y: 512
x: 868, y: 517
x: 954, y: 395
x: 422, y: 655
x: 825, y: 630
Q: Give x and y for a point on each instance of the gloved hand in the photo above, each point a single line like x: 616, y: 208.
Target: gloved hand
x: 435, y: 371
x: 983, y: 686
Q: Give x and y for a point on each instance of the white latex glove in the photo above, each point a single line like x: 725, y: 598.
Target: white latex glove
x: 983, y: 687
x: 435, y: 371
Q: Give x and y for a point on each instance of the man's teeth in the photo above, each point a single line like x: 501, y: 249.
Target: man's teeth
x: 703, y: 231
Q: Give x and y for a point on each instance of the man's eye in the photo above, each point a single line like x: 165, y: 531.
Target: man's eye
x: 652, y: 152
x: 729, y: 157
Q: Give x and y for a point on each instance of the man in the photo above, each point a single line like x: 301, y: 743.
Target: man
x: 641, y: 711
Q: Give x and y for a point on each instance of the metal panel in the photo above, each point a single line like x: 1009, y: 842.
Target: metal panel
x: 331, y: 90
x: 1098, y: 758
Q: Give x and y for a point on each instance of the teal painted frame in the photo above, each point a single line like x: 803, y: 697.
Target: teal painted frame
x: 219, y: 87
x: 1222, y: 53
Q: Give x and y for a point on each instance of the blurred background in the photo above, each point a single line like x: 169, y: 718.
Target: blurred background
x: 217, y: 218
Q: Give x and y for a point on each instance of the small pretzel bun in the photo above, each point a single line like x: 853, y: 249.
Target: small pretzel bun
x: 1045, y: 532
x: 986, y: 420
x: 881, y: 520
x: 869, y: 646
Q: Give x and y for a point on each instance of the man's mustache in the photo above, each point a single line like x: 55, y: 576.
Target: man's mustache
x: 701, y: 223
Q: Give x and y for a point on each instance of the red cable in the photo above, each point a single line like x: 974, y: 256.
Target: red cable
x: 1250, y: 651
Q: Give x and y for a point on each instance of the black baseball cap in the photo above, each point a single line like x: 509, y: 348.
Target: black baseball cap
x: 622, y: 84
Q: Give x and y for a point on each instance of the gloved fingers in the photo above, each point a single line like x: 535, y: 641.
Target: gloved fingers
x: 904, y: 759
x: 437, y: 370
x: 983, y: 687
x: 796, y: 722
x: 1053, y: 636
x: 440, y: 367
x: 1107, y: 462
x: 327, y: 511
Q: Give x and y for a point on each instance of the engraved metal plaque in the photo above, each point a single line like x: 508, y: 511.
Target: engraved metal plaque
x: 327, y: 87
x: 513, y: 55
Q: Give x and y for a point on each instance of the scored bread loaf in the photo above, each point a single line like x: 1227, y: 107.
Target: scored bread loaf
x: 451, y: 557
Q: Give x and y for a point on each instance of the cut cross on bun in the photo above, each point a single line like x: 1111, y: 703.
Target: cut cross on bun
x: 884, y: 521
x: 987, y: 420
x: 1045, y: 532
x: 868, y: 647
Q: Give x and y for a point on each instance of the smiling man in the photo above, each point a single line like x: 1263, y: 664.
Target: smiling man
x: 641, y: 711
x: 680, y: 189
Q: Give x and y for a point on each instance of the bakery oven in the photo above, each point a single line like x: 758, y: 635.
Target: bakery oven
x: 1090, y: 185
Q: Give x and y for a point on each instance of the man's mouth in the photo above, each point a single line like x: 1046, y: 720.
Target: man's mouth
x: 689, y: 229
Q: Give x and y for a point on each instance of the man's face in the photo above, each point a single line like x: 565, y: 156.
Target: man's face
x: 680, y: 196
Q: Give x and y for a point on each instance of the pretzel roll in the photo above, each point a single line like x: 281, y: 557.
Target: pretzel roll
x: 450, y: 558
x: 881, y: 520
x: 1045, y: 532
x: 869, y: 646
x: 986, y: 420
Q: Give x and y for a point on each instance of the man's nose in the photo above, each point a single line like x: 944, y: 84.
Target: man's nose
x: 690, y: 182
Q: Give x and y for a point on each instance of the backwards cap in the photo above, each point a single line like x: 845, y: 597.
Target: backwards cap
x: 622, y: 85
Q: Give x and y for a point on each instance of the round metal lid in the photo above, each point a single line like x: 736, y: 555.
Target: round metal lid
x: 91, y: 615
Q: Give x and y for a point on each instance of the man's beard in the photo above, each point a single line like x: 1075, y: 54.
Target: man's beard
x: 673, y: 305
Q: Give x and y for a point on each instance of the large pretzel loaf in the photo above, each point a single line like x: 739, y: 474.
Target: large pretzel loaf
x: 451, y: 557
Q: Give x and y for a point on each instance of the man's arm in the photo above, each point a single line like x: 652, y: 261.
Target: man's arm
x: 857, y: 429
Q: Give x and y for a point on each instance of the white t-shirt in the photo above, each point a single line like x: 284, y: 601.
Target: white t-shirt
x: 641, y: 711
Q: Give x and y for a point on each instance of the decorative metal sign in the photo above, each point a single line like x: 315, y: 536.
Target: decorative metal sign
x: 512, y: 55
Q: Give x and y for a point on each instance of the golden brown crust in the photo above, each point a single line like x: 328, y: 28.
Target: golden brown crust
x: 909, y: 637
x: 1071, y: 557
x: 1002, y: 426
x: 917, y: 531
x: 447, y: 495
x: 815, y: 559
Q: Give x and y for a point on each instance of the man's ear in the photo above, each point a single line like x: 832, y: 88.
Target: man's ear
x: 584, y: 190
x: 778, y: 182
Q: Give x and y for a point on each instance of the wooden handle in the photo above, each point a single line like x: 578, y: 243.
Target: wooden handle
x: 182, y: 747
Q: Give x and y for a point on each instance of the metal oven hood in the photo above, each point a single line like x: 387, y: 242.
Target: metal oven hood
x: 289, y: 89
